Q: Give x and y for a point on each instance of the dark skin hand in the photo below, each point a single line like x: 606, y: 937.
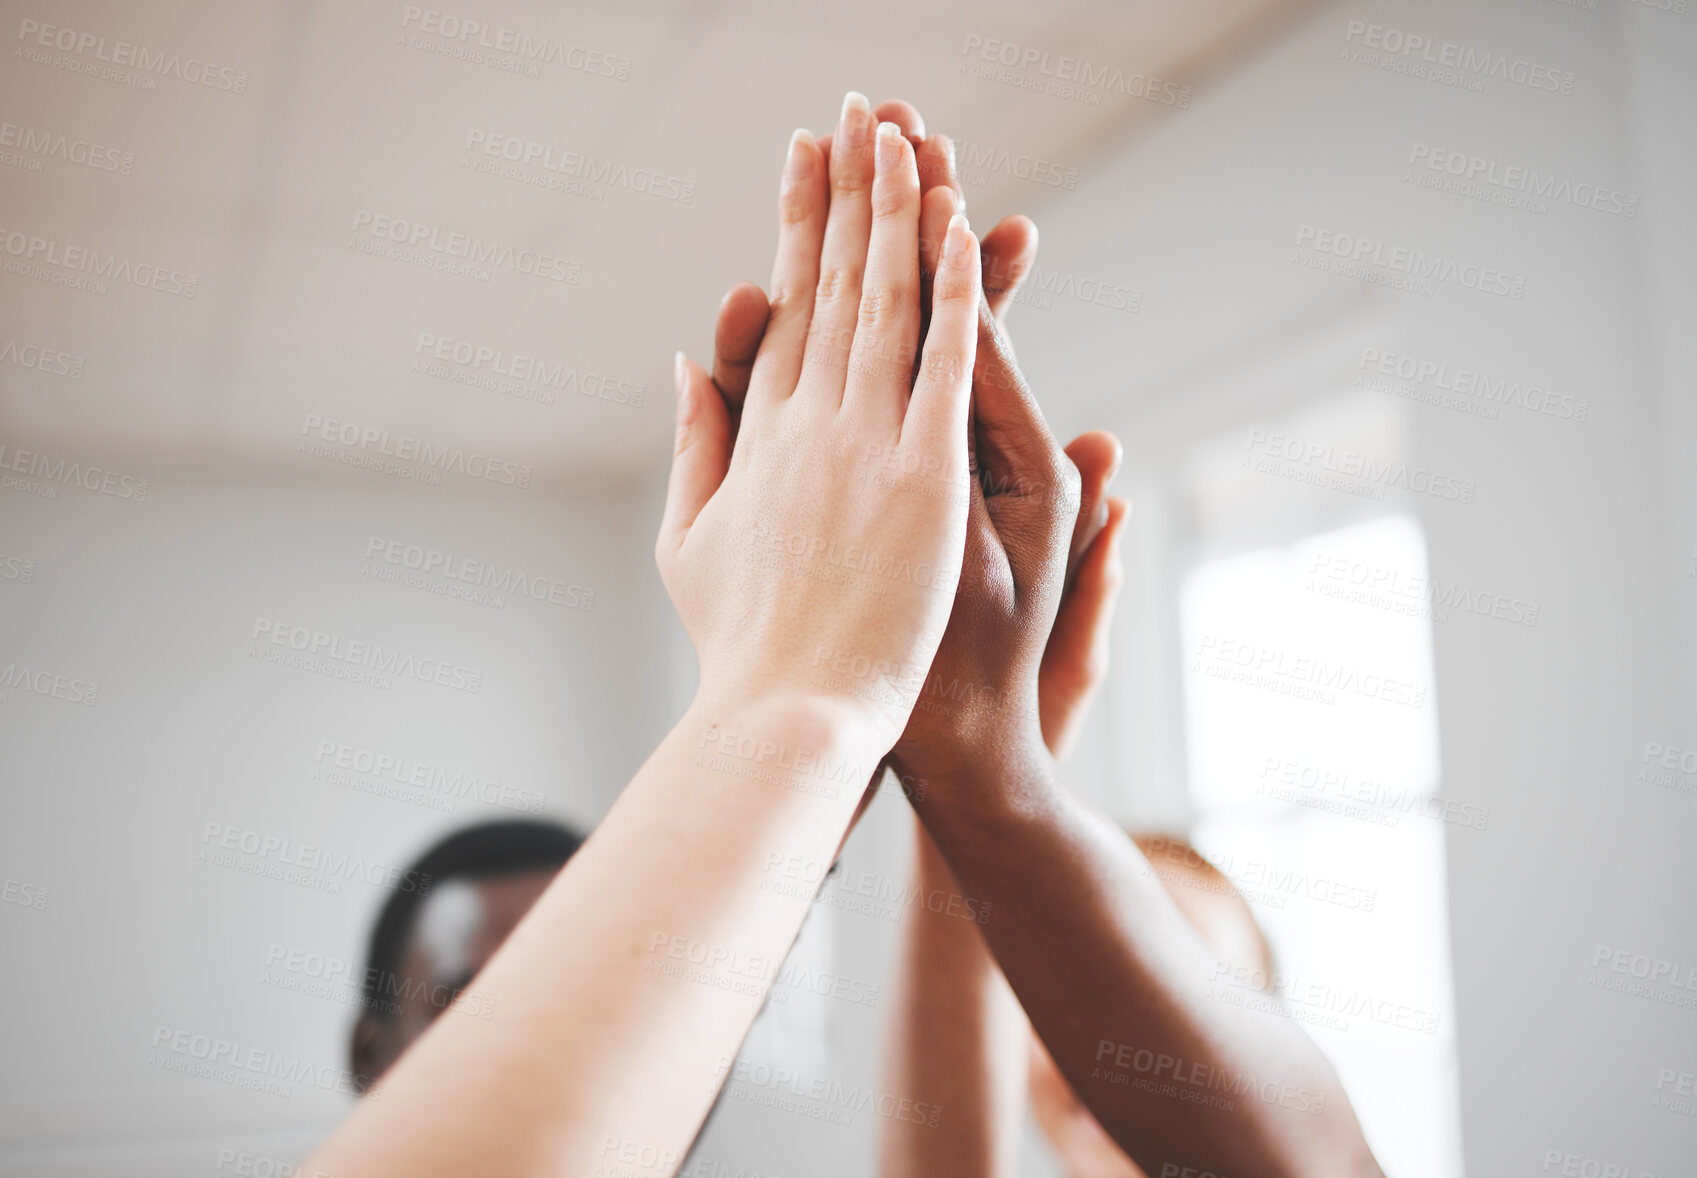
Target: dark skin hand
x: 1111, y: 975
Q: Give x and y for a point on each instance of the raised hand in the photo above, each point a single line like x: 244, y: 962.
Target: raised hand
x: 831, y: 526
x: 828, y: 534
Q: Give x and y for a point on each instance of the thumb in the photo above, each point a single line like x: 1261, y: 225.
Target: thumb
x: 1030, y: 486
x: 1076, y: 659
x: 701, y: 451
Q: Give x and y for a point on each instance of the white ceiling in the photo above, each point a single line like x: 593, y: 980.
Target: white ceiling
x: 257, y: 194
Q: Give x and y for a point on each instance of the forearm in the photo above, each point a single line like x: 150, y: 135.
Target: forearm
x: 1115, y: 981
x: 956, y: 1040
x: 621, y: 999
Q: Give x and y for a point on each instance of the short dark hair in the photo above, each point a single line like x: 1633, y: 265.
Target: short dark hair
x: 485, y: 851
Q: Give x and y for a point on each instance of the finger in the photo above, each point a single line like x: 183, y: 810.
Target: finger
x: 937, y: 414
x: 803, y: 201
x: 891, y: 110
x: 1029, y: 483
x: 1010, y: 250
x: 886, y: 336
x: 936, y: 208
x: 1097, y: 457
x: 904, y: 115
x: 1076, y: 658
x: 700, y: 452
x: 736, y: 339
x: 842, y: 260
x: 936, y: 158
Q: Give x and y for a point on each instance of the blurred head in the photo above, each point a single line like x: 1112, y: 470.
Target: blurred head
x: 1215, y: 910
x: 427, y: 946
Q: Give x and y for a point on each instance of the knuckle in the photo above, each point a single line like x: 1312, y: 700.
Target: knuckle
x: 796, y: 208
x: 787, y: 299
x: 946, y: 365
x: 851, y: 181
x: 884, y: 303
x: 1065, y: 476
x: 954, y: 284
x: 837, y: 282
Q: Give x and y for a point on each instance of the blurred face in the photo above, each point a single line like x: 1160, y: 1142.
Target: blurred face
x: 461, y: 924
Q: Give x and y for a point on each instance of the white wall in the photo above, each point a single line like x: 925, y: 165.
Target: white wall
x: 107, y: 805
x: 1593, y: 520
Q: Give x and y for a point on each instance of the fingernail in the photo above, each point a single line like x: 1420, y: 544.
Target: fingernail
x: 889, y: 152
x: 798, y: 162
x: 857, y: 113
x: 678, y: 382
x: 955, y: 240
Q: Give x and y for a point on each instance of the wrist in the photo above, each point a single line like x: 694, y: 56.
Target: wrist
x: 811, y: 746
x: 1009, y: 770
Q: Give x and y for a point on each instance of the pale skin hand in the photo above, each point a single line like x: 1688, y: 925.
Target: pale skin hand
x: 597, y: 1054
x: 958, y: 1038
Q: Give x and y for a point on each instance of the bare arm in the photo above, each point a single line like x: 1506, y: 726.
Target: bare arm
x: 957, y: 1038
x: 1112, y: 976
x: 628, y: 988
x: 1114, y: 980
x: 621, y: 999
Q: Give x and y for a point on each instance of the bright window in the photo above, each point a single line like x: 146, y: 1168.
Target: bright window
x: 1313, y: 770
